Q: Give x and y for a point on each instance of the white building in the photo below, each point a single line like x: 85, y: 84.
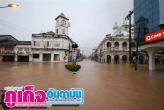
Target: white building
x: 115, y: 47
x: 53, y: 46
x: 23, y: 52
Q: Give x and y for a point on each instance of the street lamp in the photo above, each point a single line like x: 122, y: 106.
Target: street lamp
x: 11, y: 5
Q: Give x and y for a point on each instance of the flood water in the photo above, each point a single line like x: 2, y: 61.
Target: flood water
x: 107, y: 86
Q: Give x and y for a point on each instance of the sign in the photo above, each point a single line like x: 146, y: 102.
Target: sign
x: 155, y: 36
x: 27, y: 96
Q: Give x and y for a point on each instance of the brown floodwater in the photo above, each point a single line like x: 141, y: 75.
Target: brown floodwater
x: 107, y: 86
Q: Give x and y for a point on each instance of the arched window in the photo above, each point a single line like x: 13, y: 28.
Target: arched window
x: 108, y: 45
x: 124, y: 45
x: 116, y: 45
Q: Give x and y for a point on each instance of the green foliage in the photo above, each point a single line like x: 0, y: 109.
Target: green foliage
x: 73, y: 67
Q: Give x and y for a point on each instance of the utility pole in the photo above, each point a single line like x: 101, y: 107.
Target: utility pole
x: 129, y: 17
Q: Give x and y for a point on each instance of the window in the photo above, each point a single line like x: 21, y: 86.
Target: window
x: 36, y: 56
x: 56, y: 44
x: 63, y: 31
x: 20, y: 49
x: 26, y: 49
x: 108, y: 45
x: 116, y: 45
x: 48, y: 43
x: 124, y: 45
x: 34, y: 43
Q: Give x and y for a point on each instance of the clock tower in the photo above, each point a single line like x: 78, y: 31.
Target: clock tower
x: 62, y: 25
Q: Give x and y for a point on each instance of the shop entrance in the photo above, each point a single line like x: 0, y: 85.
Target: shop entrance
x: 46, y: 57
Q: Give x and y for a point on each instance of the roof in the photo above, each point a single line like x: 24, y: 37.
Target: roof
x: 4, y: 38
x: 8, y: 43
x: 62, y: 16
x: 9, y: 40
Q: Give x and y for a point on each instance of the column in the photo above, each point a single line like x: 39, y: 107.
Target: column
x: 52, y: 57
x: 112, y: 59
x: 120, y: 46
x: 120, y: 59
x: 41, y: 57
x: 105, y: 58
x: 151, y: 60
x: 16, y: 58
x: 30, y: 58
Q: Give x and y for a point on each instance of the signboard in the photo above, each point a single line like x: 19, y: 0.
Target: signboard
x: 28, y: 96
x: 155, y: 36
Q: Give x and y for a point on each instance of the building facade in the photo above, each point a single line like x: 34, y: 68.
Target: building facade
x: 115, y: 47
x: 13, y: 50
x: 53, y: 46
x: 149, y: 20
x: 23, y: 51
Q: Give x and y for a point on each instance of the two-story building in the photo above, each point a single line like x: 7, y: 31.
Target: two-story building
x: 53, y: 46
x: 13, y: 50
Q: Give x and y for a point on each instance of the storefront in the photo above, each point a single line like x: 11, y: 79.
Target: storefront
x: 23, y: 58
x: 154, y: 46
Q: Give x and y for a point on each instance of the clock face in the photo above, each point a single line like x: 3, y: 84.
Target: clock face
x: 63, y: 22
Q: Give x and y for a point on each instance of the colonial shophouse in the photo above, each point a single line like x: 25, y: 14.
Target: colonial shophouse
x: 114, y: 48
x: 53, y: 46
x: 13, y: 50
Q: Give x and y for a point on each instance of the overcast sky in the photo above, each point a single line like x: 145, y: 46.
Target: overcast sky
x: 90, y: 20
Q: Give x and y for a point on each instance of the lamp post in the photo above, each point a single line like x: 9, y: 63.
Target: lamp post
x: 11, y: 5
x: 129, y: 17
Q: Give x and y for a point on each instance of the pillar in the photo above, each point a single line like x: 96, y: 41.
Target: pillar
x: 41, y: 57
x: 105, y: 59
x: 52, y: 57
x: 120, y: 59
x: 30, y: 58
x: 16, y: 58
x: 151, y: 60
x: 112, y: 59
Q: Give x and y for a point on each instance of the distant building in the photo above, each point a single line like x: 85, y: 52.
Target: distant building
x: 114, y: 48
x: 52, y: 46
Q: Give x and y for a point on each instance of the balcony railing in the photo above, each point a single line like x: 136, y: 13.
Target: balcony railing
x: 111, y: 49
x: 7, y: 52
x: 24, y: 53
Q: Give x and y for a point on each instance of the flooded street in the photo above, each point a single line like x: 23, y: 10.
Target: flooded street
x: 107, y: 86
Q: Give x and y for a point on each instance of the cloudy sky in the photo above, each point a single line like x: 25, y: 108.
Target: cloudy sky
x: 90, y: 20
